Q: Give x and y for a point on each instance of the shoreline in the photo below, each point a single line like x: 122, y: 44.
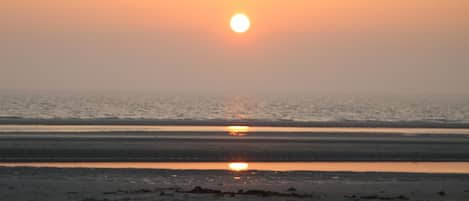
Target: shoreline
x: 222, y: 147
x: 240, y: 131
x: 240, y: 122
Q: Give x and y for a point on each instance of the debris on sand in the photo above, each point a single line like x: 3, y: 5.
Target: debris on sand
x: 442, y: 193
x: 291, y: 189
x: 260, y: 193
x: 201, y: 190
x: 376, y: 197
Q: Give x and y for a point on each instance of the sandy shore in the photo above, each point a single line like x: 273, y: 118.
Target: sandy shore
x: 91, y: 184
x: 138, y: 184
x: 219, y: 146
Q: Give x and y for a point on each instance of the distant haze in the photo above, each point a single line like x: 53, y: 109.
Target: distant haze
x: 409, y: 46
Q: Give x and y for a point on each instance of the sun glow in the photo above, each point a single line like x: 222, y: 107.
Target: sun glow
x: 240, y: 23
x: 238, y: 166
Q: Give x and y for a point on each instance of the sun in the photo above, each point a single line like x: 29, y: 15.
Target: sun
x: 240, y: 23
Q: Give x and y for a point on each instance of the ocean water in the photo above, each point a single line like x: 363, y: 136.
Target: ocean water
x: 295, y: 108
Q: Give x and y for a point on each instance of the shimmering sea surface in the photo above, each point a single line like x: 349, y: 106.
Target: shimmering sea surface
x: 298, y: 108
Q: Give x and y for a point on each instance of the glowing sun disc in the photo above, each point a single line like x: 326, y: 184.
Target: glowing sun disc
x: 240, y: 23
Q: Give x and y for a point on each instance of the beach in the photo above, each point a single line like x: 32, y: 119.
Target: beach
x: 144, y: 184
x: 212, y: 144
x: 136, y: 162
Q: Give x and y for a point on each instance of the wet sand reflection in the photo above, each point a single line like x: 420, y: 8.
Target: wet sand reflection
x: 238, y: 130
x: 401, y: 167
x: 238, y: 167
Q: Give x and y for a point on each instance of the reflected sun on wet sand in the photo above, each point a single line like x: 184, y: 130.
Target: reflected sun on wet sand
x: 238, y: 130
x: 237, y: 167
x: 403, y: 167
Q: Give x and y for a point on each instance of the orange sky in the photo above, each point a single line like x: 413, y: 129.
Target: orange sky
x: 212, y: 16
x: 289, y: 40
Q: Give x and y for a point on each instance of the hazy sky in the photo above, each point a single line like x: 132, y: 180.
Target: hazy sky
x: 186, y: 45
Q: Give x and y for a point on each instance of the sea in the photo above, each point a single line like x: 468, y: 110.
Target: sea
x: 291, y: 109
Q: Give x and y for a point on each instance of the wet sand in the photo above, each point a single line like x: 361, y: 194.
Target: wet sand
x: 396, y: 167
x: 121, y: 184
x: 223, y: 147
x: 142, y: 184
